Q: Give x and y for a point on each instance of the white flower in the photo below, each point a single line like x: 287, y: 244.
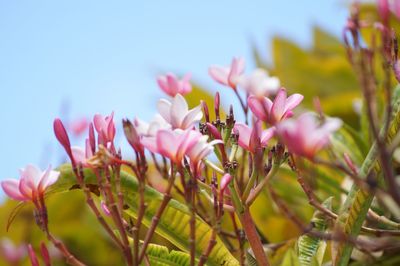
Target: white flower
x: 177, y: 112
x: 259, y: 83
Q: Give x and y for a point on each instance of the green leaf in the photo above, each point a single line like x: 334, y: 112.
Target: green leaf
x: 160, y: 256
x: 311, y: 248
x: 173, y: 224
x: 290, y: 259
x: 354, y: 210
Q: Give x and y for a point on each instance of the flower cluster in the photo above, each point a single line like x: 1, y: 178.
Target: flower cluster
x: 183, y: 139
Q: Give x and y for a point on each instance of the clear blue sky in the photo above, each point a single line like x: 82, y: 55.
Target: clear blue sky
x: 103, y: 55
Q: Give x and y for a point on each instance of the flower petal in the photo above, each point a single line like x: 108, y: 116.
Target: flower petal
x: 219, y: 74
x: 278, y: 107
x: 164, y: 109
x: 244, y: 135
x: 179, y: 109
x: 192, y: 117
x: 11, y: 188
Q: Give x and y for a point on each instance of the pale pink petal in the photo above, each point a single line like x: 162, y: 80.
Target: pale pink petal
x: 79, y: 155
x: 186, y: 87
x: 11, y: 188
x: 192, y: 117
x: 173, y: 84
x: 48, y: 179
x: 244, y: 135
x: 219, y: 74
x: 32, y: 174
x: 292, y: 101
x: 257, y: 107
x: 164, y: 109
x: 162, y: 83
x: 278, y: 107
x: 167, y: 144
x: 150, y: 144
x: 266, y: 135
x: 99, y: 123
x: 26, y: 188
x: 179, y: 109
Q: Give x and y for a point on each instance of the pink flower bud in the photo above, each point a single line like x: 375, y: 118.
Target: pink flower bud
x: 45, y: 254
x: 62, y: 136
x: 225, y: 180
x: 32, y: 256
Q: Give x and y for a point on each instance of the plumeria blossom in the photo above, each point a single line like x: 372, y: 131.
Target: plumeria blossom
x: 105, y: 128
x: 172, y: 144
x: 276, y: 111
x: 229, y: 75
x: 139, y: 128
x: 177, y: 112
x: 200, y: 149
x: 171, y: 85
x: 305, y: 136
x: 80, y: 155
x: 31, y: 185
x: 12, y: 253
x: 252, y: 138
x: 259, y: 83
x: 78, y: 126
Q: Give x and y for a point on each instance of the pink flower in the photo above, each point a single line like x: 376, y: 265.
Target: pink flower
x: 171, y: 144
x: 138, y: 129
x: 171, y: 85
x: 79, y: 126
x: 105, y: 127
x: 200, y: 149
x: 259, y: 83
x: 305, y: 136
x: 13, y: 254
x: 252, y: 138
x: 276, y: 111
x: 31, y: 185
x: 177, y: 112
x: 82, y: 155
x: 230, y: 75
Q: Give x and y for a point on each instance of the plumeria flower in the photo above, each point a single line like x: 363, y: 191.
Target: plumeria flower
x: 276, y: 111
x: 31, y: 185
x: 105, y: 128
x: 80, y: 155
x: 11, y: 253
x: 200, y: 149
x: 177, y: 112
x: 78, y: 126
x: 172, y: 144
x: 139, y: 128
x: 259, y: 83
x: 230, y: 75
x: 305, y: 136
x: 171, y: 85
x: 252, y: 138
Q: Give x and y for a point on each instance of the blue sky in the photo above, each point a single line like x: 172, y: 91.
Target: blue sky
x: 100, y: 56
